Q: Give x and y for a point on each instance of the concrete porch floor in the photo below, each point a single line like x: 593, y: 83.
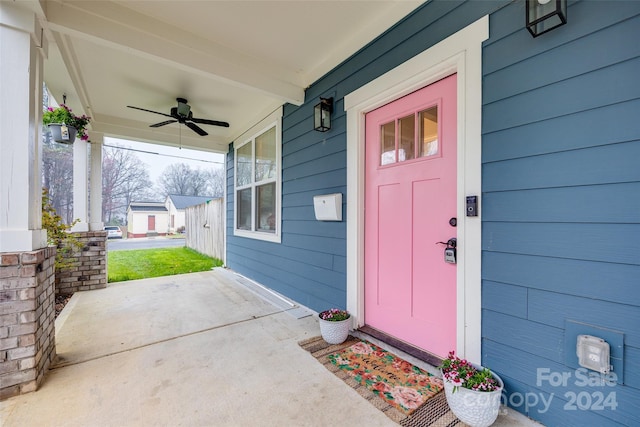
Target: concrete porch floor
x: 200, y: 349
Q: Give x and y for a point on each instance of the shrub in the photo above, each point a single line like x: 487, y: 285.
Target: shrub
x: 58, y: 233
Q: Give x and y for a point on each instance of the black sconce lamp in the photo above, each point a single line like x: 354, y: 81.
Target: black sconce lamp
x: 322, y: 114
x: 545, y: 15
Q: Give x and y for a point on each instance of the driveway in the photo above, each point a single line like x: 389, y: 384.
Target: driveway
x: 144, y: 243
x: 200, y: 349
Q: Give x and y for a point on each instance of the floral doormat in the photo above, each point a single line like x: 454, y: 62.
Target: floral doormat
x: 404, y: 392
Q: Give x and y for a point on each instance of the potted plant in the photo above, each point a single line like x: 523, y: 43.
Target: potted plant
x: 334, y: 325
x: 64, y: 125
x: 473, y: 391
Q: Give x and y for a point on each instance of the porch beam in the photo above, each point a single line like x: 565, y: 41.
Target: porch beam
x: 131, y: 130
x: 69, y: 58
x: 121, y: 28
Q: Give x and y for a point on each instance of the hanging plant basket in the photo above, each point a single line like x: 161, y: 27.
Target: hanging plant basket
x: 63, y: 133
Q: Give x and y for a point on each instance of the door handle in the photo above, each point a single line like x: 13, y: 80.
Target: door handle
x: 449, y: 250
x: 451, y: 243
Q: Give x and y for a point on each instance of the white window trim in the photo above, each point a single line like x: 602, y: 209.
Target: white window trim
x: 265, y: 124
x: 460, y: 53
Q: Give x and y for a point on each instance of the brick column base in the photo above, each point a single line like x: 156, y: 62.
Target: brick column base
x: 27, y: 316
x: 88, y: 269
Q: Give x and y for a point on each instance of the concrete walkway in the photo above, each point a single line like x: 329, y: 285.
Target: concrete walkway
x: 202, y: 349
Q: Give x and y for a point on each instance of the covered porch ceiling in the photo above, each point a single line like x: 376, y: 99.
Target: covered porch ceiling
x: 234, y: 61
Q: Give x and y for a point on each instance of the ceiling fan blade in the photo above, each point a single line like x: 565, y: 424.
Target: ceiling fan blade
x: 209, y: 122
x: 166, y: 122
x: 148, y: 111
x: 194, y: 127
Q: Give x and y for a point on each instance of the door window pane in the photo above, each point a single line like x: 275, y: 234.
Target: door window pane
x: 429, y: 132
x: 243, y: 209
x: 266, y: 155
x: 406, y: 145
x: 243, y: 161
x: 388, y: 143
x: 265, y: 218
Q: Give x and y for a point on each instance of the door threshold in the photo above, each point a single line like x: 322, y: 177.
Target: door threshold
x: 413, y: 351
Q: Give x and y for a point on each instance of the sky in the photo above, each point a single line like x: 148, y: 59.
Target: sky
x: 156, y: 163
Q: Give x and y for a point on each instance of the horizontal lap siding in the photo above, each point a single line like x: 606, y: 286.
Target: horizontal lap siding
x: 561, y: 200
x: 309, y: 265
x: 521, y: 378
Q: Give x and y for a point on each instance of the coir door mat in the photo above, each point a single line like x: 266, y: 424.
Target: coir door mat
x: 404, y: 392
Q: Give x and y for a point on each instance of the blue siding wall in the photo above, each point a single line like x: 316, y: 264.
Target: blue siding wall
x: 561, y: 207
x: 309, y: 265
x: 560, y: 204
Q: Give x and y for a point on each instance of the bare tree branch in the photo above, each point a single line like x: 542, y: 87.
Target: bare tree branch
x: 216, y: 178
x: 57, y: 176
x: 124, y: 179
x: 179, y: 178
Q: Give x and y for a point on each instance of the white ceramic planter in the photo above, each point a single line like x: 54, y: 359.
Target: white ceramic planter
x: 334, y: 332
x: 475, y: 408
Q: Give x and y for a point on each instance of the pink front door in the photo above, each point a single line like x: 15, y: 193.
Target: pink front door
x: 410, y: 198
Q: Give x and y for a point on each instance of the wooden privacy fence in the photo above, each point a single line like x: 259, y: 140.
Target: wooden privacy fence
x: 204, y: 228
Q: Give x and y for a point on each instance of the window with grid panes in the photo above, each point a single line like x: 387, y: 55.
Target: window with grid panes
x: 257, y: 185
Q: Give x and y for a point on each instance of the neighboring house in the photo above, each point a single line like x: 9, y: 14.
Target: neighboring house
x: 544, y: 133
x: 147, y: 219
x: 176, y: 205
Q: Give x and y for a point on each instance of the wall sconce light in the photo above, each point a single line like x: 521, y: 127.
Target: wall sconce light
x: 545, y: 15
x: 322, y: 114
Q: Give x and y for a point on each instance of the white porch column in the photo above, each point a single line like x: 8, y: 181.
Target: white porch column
x: 95, y: 207
x: 22, y: 51
x: 80, y: 184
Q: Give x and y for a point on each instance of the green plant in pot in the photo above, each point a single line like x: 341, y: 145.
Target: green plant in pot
x: 473, y: 392
x: 62, y: 122
x: 334, y: 325
x: 58, y: 233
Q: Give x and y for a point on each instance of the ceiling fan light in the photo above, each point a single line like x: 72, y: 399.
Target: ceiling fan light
x: 183, y: 109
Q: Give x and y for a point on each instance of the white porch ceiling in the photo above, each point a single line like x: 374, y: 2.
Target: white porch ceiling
x: 235, y: 61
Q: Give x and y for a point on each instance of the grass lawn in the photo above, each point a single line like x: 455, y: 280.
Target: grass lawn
x: 144, y: 263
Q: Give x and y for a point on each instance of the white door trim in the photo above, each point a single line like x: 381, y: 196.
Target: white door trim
x: 460, y: 53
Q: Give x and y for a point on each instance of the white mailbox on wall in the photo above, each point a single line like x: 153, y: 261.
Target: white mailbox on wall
x: 328, y: 207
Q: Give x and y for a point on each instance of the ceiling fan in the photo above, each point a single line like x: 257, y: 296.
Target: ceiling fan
x: 182, y: 114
